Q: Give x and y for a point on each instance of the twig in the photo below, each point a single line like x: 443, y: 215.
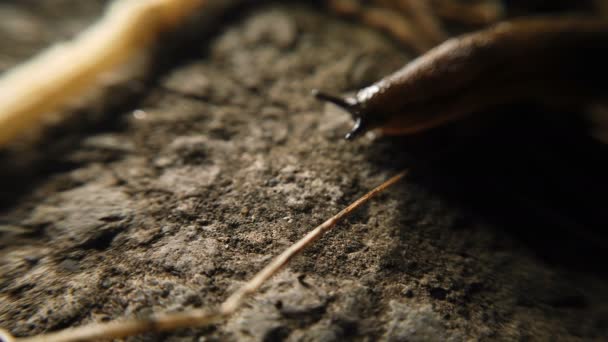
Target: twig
x: 422, y: 15
x: 200, y: 317
x: 474, y: 14
x: 62, y: 72
x: 384, y: 19
x: 425, y: 18
x: 602, y: 8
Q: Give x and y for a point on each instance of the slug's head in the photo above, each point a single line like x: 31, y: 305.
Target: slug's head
x: 351, y: 105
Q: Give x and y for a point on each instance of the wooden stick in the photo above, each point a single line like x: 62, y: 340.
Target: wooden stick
x: 64, y: 71
x: 200, y: 317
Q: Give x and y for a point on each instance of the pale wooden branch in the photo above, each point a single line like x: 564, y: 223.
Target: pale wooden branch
x: 64, y: 71
x: 201, y: 317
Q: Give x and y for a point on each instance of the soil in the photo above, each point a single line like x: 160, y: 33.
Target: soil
x: 175, y: 191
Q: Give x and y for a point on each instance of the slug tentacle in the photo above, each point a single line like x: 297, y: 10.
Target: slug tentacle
x: 359, y: 128
x: 349, y: 104
x: 346, y: 103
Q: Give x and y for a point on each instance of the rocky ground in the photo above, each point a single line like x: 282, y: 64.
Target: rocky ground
x: 173, y: 197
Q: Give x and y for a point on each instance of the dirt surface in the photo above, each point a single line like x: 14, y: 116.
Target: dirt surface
x: 224, y: 159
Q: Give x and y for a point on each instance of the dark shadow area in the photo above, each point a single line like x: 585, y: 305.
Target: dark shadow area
x: 536, y: 174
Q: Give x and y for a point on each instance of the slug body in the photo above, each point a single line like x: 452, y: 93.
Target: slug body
x: 561, y: 60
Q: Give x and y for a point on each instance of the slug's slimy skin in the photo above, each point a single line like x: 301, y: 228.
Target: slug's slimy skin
x: 558, y: 60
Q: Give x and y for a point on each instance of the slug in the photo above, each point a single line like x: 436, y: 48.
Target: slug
x: 550, y: 60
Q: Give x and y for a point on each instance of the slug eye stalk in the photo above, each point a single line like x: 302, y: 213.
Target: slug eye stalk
x: 350, y: 105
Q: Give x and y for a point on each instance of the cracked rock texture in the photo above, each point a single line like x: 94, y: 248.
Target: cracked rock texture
x: 222, y: 159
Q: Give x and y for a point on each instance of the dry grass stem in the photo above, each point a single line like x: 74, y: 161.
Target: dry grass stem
x: 235, y: 300
x: 200, y: 317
